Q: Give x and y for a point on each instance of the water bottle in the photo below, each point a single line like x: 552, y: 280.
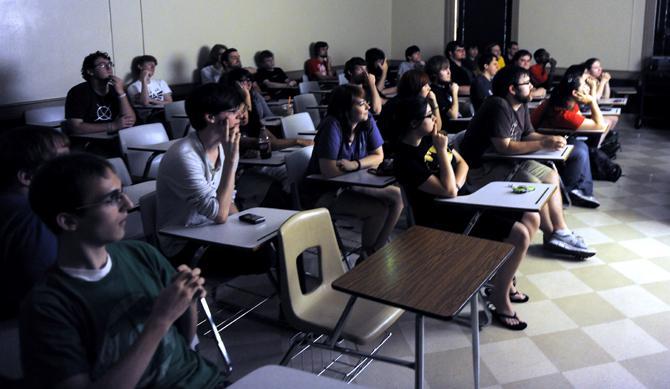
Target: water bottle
x: 264, y: 144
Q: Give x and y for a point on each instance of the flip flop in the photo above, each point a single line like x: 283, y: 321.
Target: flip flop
x: 500, y: 318
x: 516, y: 297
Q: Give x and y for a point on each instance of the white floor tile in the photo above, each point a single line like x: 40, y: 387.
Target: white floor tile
x: 610, y: 375
x: 647, y: 247
x: 641, y: 271
x: 652, y: 228
x: 543, y: 317
x: 634, y: 301
x: 624, y: 339
x: 515, y: 360
x: 558, y: 284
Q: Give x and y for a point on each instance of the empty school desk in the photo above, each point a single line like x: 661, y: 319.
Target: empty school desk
x: 431, y: 273
x: 156, y: 150
x: 499, y: 195
x: 357, y: 178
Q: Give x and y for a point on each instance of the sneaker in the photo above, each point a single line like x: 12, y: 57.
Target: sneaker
x: 569, y: 244
x: 579, y: 199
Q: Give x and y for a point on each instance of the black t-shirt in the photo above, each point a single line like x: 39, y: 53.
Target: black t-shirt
x: 275, y: 75
x: 444, y: 99
x: 479, y: 91
x: 460, y: 75
x: 83, y: 103
x: 494, y: 119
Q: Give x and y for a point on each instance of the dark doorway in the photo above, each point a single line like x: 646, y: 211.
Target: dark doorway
x: 662, y: 29
x: 482, y: 22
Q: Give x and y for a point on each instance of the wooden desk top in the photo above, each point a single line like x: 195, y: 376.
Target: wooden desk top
x: 426, y: 271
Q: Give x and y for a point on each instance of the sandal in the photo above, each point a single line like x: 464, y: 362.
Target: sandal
x: 516, y: 297
x: 501, y: 319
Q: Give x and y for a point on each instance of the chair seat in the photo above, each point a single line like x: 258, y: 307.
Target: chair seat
x: 367, y: 321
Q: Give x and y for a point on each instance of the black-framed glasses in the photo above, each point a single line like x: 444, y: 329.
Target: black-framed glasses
x: 104, y: 65
x: 524, y: 83
x: 115, y: 197
x: 361, y: 103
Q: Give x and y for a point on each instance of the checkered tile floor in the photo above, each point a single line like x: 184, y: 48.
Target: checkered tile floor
x: 600, y: 323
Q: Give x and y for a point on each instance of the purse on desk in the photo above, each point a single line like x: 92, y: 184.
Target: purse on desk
x: 384, y: 169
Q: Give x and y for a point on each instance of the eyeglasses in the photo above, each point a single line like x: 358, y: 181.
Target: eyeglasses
x: 524, y: 83
x: 429, y: 115
x: 115, y: 197
x: 104, y: 65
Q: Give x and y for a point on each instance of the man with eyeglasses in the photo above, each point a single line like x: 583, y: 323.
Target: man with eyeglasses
x: 99, y: 104
x: 459, y: 73
x: 502, y: 124
x: 111, y: 313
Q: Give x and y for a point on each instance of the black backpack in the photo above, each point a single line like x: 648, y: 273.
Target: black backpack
x: 602, y: 167
x: 611, y: 144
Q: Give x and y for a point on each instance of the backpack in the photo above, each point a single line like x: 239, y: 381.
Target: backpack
x: 602, y: 167
x: 611, y: 144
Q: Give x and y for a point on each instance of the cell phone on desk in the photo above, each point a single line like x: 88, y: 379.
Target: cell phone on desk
x: 252, y: 219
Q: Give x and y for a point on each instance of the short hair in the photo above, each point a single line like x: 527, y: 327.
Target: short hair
x: 570, y: 81
x: 89, y: 63
x: 512, y: 43
x: 521, y: 53
x: 319, y: 45
x: 408, y: 110
x: 226, y: 54
x: 61, y: 184
x: 411, y: 82
x: 261, y: 56
x: 341, y: 102
x: 211, y: 99
x: 214, y: 56
x: 435, y: 65
x: 231, y: 78
x: 509, y: 75
x: 351, y: 64
x: 471, y: 45
x: 138, y: 61
x: 371, y: 57
x: 25, y: 149
x: 490, y: 47
x: 411, y: 50
x: 142, y: 59
x: 485, y: 59
x: 452, y: 46
x: 538, y: 54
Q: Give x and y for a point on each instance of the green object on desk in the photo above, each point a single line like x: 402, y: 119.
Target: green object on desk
x: 519, y: 189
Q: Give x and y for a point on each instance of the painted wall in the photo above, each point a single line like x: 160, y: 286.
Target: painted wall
x: 574, y: 30
x: 418, y: 22
x: 44, y: 42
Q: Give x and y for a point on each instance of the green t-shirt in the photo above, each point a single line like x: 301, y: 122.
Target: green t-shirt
x: 70, y: 326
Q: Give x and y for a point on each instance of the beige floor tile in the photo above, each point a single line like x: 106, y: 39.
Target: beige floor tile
x: 656, y: 326
x: 651, y: 370
x: 515, y: 360
x: 624, y: 339
x: 386, y: 375
x: 553, y: 381
x: 618, y: 232
x: 660, y: 290
x: 652, y: 228
x: 570, y: 350
x: 577, y: 263
x: 533, y: 265
x: 613, y: 252
x: 601, y: 277
x: 647, y: 247
x: 627, y: 215
x: 596, y: 219
x: 634, y: 301
x: 609, y: 375
x: 453, y: 369
x: 558, y: 284
x: 588, y: 309
x: 658, y: 198
x: 655, y: 212
x: 543, y: 317
x: 529, y: 289
x: 662, y: 262
x: 641, y: 271
x: 494, y: 333
x: 592, y: 236
x: 438, y: 335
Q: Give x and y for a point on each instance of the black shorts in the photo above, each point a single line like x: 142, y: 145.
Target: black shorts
x: 493, y: 225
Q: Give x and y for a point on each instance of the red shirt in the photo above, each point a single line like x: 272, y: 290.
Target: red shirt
x: 315, y: 66
x: 570, y: 119
x: 538, y: 74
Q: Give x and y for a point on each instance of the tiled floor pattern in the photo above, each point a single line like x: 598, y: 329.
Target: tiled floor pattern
x: 600, y: 323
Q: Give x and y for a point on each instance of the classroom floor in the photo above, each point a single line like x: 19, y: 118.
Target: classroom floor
x: 600, y: 323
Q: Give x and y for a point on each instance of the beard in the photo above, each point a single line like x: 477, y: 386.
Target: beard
x: 522, y: 99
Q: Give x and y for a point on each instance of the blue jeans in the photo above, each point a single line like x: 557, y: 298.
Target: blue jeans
x: 576, y: 172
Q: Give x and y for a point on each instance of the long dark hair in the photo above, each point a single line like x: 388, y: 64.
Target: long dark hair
x: 409, y: 110
x: 571, y: 81
x: 342, y: 99
x: 434, y: 66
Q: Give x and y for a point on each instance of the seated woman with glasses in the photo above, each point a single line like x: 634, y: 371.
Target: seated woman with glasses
x: 428, y: 168
x: 348, y: 140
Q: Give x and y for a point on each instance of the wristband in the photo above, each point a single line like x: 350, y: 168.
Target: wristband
x: 122, y: 95
x: 359, y: 164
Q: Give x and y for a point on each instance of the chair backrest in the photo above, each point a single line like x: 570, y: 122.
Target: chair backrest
x: 309, y: 86
x: 455, y: 140
x: 301, y: 104
x: 304, y: 230
x: 177, y: 125
x: 146, y: 134
x: 148, y: 211
x: 40, y: 116
x: 121, y: 170
x: 296, y: 123
x: 341, y: 79
x: 296, y: 166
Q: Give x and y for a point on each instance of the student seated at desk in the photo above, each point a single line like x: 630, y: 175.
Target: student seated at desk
x: 213, y: 71
x: 595, y: 71
x: 111, y: 313
x: 459, y: 73
x: 27, y: 247
x: 253, y: 100
x: 445, y: 90
x: 480, y: 89
x: 99, y: 104
x: 348, y: 140
x: 146, y: 91
x: 196, y: 179
x: 494, y: 48
x: 412, y: 60
x: 539, y: 75
x: 522, y: 59
x: 272, y: 80
x: 319, y: 66
x: 503, y: 125
x: 378, y: 65
x: 356, y: 72
x: 428, y: 168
